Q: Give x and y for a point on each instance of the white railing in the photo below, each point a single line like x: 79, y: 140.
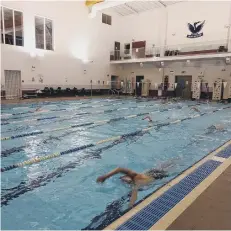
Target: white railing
x: 198, y: 46
x: 217, y: 46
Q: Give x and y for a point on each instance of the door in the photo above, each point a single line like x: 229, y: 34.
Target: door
x: 183, y: 88
x: 117, y: 50
x: 114, y: 82
x: 139, y: 85
x: 138, y: 49
x: 13, y: 84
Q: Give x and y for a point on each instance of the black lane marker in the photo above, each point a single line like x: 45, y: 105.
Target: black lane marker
x: 48, y: 140
x: 22, y: 188
x: 8, y: 152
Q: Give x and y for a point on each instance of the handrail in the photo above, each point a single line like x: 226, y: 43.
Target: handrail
x: 110, y: 90
x: 116, y: 91
x: 168, y: 50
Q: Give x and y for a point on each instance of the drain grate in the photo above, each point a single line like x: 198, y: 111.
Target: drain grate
x: 226, y: 153
x: 149, y: 215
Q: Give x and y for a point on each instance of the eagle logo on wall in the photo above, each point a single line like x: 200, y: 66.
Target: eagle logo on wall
x: 195, y: 28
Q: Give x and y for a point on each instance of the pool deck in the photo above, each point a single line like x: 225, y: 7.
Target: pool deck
x: 211, y: 210
x: 198, y: 199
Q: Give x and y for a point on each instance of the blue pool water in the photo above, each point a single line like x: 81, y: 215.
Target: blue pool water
x: 62, y: 193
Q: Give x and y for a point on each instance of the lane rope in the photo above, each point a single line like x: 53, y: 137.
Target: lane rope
x: 61, y: 109
x: 73, y: 126
x: 57, y: 154
x: 87, y: 124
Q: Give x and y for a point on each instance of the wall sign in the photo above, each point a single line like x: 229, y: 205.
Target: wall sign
x: 195, y: 28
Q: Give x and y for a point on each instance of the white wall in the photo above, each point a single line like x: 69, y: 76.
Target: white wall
x: 76, y: 37
x: 151, y: 25
x: 215, y: 13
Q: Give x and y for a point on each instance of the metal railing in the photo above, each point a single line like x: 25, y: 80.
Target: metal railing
x: 111, y: 92
x: 192, y: 48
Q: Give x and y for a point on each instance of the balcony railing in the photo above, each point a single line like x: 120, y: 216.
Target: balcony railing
x: 209, y: 47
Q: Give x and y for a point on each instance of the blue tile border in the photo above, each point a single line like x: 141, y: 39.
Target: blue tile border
x: 154, y: 211
x: 225, y: 153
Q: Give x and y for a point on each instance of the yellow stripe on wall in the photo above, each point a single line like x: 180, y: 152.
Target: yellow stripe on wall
x: 91, y: 3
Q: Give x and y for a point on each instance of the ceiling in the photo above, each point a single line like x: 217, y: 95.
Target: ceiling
x: 135, y: 7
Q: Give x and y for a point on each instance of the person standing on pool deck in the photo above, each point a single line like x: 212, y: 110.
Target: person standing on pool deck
x: 137, y: 180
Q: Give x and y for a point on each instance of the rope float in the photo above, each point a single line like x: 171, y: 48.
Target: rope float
x: 89, y: 113
x: 73, y: 126
x: 78, y: 114
x: 79, y: 148
x: 61, y: 109
x: 5, y: 153
x: 87, y: 124
x: 57, y: 154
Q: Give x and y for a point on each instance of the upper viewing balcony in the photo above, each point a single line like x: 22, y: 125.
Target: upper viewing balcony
x: 139, y: 52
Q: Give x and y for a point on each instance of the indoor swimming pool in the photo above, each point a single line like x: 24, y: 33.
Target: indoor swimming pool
x: 85, y: 139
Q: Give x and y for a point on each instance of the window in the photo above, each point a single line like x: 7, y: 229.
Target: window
x: 18, y: 28
x: 43, y: 33
x: 127, y: 48
x: 11, y: 27
x: 2, y: 39
x: 106, y: 19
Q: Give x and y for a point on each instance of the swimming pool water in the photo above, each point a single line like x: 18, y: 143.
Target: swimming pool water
x: 62, y: 193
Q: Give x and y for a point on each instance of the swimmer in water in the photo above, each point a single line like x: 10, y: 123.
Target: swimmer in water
x: 38, y: 109
x: 195, y: 109
x: 148, y: 118
x: 137, y: 180
x: 215, y: 128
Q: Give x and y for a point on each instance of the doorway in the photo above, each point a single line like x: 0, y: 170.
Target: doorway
x: 139, y: 85
x: 183, y: 88
x: 117, y: 50
x: 114, y: 82
x: 138, y: 49
x: 13, y: 84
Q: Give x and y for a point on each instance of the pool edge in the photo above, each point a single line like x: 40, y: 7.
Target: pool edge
x: 174, y: 212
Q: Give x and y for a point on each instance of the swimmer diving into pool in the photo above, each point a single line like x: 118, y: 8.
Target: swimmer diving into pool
x: 137, y: 180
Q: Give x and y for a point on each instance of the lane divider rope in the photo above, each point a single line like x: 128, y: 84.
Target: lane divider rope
x: 90, y: 113
x: 71, y: 126
x: 78, y: 114
x: 86, y: 124
x: 98, y: 123
x: 80, y: 103
x: 57, y: 154
x: 61, y: 109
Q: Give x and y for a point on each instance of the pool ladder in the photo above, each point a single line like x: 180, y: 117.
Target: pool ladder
x: 114, y: 92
